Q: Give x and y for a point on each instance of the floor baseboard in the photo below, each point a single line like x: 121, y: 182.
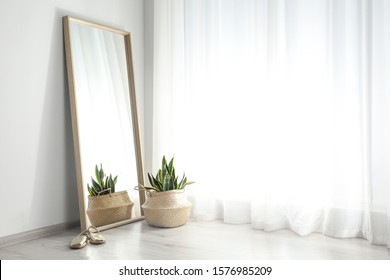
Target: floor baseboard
x: 36, y: 233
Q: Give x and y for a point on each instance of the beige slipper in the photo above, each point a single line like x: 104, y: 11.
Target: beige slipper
x: 94, y: 236
x: 80, y: 241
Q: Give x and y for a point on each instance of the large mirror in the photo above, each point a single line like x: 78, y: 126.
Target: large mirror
x: 103, y: 110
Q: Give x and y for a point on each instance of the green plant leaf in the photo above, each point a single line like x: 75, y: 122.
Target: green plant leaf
x: 151, y: 188
x: 101, y: 174
x: 184, y: 183
x: 95, y: 191
x: 164, y: 161
x: 96, y: 185
x: 97, y: 176
x: 104, y: 186
x: 112, y: 185
x: 172, y: 183
x: 108, y: 186
x: 159, y: 175
x: 102, y: 183
x: 168, y: 183
x: 173, y: 173
x: 158, y: 184
x: 164, y: 168
x: 89, y: 190
x: 166, y: 178
x: 155, y: 183
x: 113, y: 181
x: 151, y: 181
x: 180, y: 186
x: 170, y: 167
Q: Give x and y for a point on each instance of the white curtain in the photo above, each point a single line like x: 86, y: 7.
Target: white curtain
x: 279, y: 110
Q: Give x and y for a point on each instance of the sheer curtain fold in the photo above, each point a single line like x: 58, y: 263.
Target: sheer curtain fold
x: 278, y: 110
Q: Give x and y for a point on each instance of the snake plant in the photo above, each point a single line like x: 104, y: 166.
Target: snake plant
x: 166, y: 179
x: 102, y: 184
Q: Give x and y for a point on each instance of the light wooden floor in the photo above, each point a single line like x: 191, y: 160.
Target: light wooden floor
x: 197, y: 240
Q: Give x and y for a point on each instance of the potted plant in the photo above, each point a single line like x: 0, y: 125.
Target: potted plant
x: 105, y: 206
x: 166, y: 204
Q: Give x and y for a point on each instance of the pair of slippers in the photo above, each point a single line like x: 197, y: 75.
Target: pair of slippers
x: 91, y: 235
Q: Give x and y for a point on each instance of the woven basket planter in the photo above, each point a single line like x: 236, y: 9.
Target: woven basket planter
x: 166, y: 209
x: 109, y: 208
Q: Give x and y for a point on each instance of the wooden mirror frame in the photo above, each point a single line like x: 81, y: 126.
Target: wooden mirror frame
x: 84, y: 222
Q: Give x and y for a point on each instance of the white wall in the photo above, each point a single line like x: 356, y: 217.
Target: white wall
x: 37, y: 171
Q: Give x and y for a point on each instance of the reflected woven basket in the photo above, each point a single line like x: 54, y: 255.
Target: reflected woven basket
x: 166, y: 209
x: 110, y: 208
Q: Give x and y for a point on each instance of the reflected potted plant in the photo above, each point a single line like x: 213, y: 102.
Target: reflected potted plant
x: 166, y: 204
x: 105, y: 206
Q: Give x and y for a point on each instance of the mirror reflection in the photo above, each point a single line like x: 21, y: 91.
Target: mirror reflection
x: 103, y: 105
